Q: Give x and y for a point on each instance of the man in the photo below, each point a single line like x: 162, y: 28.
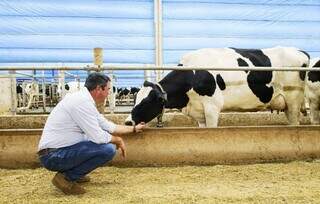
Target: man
x: 77, y: 139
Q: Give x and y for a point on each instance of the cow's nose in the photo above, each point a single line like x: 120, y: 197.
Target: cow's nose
x: 128, y: 123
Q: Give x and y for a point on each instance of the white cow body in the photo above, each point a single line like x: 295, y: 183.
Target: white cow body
x: 238, y: 96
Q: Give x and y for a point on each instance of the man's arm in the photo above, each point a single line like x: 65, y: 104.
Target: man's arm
x: 118, y: 141
x: 124, y: 129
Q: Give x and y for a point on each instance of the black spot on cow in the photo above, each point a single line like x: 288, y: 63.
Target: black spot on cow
x: 66, y: 87
x: 314, y: 76
x: 220, y: 82
x: 257, y: 83
x: 257, y: 57
x: 302, y: 74
x: 258, y: 80
x: 204, y: 83
x: 242, y: 63
x: 176, y: 84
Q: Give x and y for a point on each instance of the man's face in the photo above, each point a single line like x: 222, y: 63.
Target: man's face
x: 103, y: 92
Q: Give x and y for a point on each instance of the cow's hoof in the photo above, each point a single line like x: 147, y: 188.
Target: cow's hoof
x: 159, y: 125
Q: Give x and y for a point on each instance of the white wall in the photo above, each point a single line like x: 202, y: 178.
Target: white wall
x: 5, y: 93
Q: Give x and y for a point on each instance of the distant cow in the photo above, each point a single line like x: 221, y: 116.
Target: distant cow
x: 70, y: 87
x: 204, y: 94
x: 134, y: 90
x: 313, y: 91
x: 19, y: 95
x: 31, y: 90
x: 122, y: 95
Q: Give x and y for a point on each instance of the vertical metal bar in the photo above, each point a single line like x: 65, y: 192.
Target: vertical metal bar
x: 43, y: 92
x: 12, y: 74
x: 158, y: 36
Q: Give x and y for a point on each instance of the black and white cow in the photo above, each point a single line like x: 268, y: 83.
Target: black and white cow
x: 134, y: 90
x: 313, y: 91
x: 70, y: 87
x: 204, y: 94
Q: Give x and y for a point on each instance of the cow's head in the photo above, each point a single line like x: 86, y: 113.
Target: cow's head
x: 149, y: 103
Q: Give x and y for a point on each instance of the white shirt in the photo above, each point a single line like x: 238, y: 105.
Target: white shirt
x: 73, y: 120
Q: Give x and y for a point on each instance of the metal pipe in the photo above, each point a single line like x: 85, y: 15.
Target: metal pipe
x: 158, y: 36
x: 168, y: 68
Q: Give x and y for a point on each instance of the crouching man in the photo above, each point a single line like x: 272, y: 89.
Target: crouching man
x: 77, y: 139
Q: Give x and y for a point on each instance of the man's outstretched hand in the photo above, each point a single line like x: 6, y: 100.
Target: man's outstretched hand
x: 140, y: 127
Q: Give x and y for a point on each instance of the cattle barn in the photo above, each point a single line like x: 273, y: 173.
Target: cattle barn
x: 229, y: 91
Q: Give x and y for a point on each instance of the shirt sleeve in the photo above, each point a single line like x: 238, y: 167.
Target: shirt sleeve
x: 86, y: 117
x: 106, y: 124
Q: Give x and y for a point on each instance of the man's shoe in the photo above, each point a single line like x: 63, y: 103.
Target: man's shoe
x: 84, y: 179
x: 68, y: 187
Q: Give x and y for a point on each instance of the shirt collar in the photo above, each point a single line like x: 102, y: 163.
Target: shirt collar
x: 88, y: 95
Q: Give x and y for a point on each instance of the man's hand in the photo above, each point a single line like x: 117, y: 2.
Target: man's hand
x: 140, y: 127
x: 118, y: 141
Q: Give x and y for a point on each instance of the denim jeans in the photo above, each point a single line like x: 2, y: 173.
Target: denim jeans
x: 77, y: 160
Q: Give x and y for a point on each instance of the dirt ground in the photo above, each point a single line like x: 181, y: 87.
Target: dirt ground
x: 296, y: 182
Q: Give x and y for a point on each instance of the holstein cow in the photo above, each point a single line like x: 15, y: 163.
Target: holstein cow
x: 313, y: 91
x: 70, y: 87
x: 31, y: 89
x: 204, y: 94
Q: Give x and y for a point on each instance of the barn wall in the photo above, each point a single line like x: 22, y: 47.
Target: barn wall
x: 65, y: 32
x: 195, y: 24
x: 5, y: 93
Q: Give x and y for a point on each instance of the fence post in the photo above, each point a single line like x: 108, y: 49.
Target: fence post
x: 98, y: 62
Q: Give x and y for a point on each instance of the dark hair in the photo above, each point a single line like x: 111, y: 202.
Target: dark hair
x: 95, y: 79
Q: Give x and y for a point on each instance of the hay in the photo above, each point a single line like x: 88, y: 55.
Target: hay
x: 296, y: 182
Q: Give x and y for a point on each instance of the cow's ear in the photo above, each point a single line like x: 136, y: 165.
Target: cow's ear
x: 147, y: 83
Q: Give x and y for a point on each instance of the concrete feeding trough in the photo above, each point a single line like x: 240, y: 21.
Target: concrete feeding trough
x: 185, y: 146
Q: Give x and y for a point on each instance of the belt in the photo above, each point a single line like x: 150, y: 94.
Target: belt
x: 46, y: 151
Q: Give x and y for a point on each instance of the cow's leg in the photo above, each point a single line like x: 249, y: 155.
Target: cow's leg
x: 314, y: 111
x: 294, y: 102
x: 211, y: 112
x: 159, y: 120
x: 201, y: 124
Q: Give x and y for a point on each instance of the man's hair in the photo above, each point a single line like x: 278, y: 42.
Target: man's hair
x: 95, y: 79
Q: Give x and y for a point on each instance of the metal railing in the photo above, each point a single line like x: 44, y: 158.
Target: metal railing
x: 152, y: 67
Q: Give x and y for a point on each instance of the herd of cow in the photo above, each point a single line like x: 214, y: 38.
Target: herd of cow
x: 204, y: 94
x: 33, y: 94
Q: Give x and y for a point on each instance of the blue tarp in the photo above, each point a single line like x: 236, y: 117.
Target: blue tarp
x: 43, y: 31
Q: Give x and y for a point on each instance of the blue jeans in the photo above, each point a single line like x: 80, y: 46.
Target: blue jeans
x: 77, y: 160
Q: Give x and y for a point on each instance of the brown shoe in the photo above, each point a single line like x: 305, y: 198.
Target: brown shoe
x: 68, y: 187
x: 84, y: 179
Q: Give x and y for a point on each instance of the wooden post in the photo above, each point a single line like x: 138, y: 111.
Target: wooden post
x: 98, y: 61
x: 98, y: 57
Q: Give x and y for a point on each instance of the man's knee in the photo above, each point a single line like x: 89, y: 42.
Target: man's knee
x: 108, y: 151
